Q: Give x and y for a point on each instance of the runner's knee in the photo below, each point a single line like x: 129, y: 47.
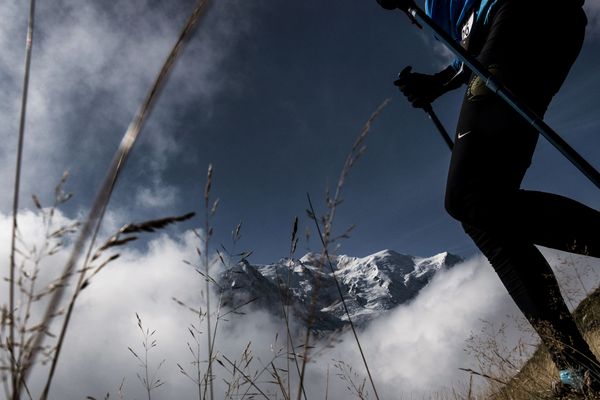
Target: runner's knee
x: 477, y: 209
x: 455, y: 206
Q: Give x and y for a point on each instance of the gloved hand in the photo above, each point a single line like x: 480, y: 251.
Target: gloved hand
x: 420, y: 89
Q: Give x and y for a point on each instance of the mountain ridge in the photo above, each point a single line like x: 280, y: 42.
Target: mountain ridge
x: 372, y: 285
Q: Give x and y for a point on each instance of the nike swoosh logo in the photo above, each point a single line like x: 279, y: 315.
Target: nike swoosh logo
x: 462, y: 135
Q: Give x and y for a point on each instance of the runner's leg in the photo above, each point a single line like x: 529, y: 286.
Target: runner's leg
x: 493, y: 150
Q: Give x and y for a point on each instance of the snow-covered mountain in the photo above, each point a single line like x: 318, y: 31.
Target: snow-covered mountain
x: 371, y: 285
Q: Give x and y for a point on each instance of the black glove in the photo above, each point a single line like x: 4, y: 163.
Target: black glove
x: 420, y: 89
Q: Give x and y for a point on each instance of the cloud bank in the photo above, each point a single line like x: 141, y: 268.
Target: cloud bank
x: 417, y: 349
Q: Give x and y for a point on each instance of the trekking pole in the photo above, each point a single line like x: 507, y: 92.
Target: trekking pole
x: 438, y: 124
x: 432, y: 115
x: 417, y: 16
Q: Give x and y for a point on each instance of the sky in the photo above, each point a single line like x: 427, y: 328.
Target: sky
x: 272, y: 94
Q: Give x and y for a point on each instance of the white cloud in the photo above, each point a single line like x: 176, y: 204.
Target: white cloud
x: 158, y: 195
x: 96, y: 357
x: 92, y: 65
x: 592, y: 9
x: 443, y: 55
x: 417, y: 349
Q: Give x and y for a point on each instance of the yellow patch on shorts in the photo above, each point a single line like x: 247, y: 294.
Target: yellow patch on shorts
x: 477, y: 87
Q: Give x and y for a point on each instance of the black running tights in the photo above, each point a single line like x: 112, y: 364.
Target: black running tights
x: 531, y: 52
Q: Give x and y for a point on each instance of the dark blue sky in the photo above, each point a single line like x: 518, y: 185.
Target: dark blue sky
x: 272, y: 94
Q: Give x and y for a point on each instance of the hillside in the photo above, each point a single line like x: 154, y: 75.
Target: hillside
x: 534, y: 381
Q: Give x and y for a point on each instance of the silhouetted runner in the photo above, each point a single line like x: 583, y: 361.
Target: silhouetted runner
x: 529, y: 45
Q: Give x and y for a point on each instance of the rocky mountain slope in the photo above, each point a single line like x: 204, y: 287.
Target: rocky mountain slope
x: 371, y: 285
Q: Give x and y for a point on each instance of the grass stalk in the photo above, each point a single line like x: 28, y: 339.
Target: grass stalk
x: 195, y: 334
x: 207, y: 235
x: 11, y: 302
x: 341, y: 294
x: 211, y: 350
x: 246, y: 377
x: 358, y: 149
x: 305, y: 346
x: 284, y: 299
x: 279, y: 382
x: 327, y: 384
x: 83, y: 280
x: 150, y: 382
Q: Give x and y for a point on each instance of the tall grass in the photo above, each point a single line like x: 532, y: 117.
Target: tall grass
x: 281, y: 378
x: 526, y: 371
x: 148, y: 379
x: 209, y: 213
x: 29, y: 286
x: 33, y: 292
x: 327, y: 240
x: 197, y: 377
x: 17, y: 183
x: 20, y: 367
x: 92, y: 224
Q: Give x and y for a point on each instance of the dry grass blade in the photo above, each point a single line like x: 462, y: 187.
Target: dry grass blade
x: 294, y: 241
x: 114, y: 241
x: 110, y: 259
x: 486, y: 376
x: 279, y: 382
x: 208, y: 186
x: 28, y: 47
x: 246, y: 377
x: 356, y: 152
x: 153, y: 225
x: 208, y: 231
x: 91, y: 226
x: 234, y: 310
x: 349, y: 377
x: 283, y: 292
x: 345, y: 306
x: 237, y: 232
x: 148, y: 380
x: 36, y: 202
